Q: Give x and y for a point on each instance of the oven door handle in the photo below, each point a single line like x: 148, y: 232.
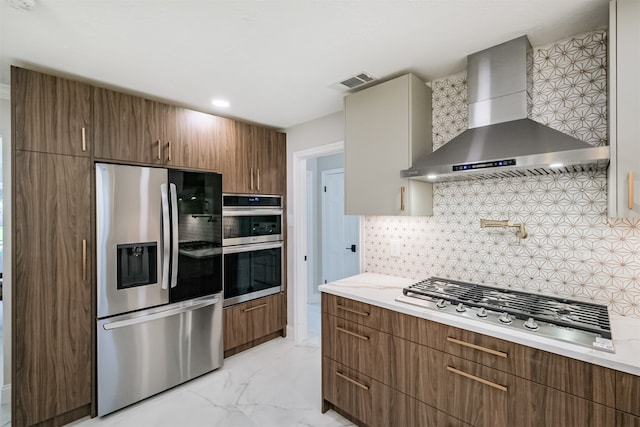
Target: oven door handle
x: 174, y: 234
x: 252, y: 247
x: 252, y: 212
x: 166, y: 235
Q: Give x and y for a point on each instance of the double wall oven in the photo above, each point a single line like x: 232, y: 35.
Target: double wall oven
x: 252, y: 239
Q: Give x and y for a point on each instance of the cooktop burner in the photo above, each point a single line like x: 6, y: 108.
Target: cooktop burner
x: 568, y: 320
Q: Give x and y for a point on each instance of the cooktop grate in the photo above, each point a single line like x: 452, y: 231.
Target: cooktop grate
x: 562, y: 312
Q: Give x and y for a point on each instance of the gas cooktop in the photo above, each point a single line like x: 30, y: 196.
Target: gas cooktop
x: 567, y: 320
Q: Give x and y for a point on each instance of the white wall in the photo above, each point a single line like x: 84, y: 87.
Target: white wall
x: 5, y: 131
x: 322, y: 131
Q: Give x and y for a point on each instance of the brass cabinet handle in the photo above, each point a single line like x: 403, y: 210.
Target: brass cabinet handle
x: 402, y: 198
x: 353, y: 334
x: 258, y: 176
x: 478, y: 347
x: 630, y: 178
x: 84, y: 139
x: 255, y: 308
x: 84, y: 259
x: 251, y: 171
x: 159, y: 150
x: 354, y: 382
x: 478, y: 379
x: 169, y: 148
x: 351, y: 310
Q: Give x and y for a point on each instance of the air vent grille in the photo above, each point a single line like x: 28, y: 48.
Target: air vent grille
x: 357, y: 80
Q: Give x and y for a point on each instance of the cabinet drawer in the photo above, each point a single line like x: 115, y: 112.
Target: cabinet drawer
x: 626, y: 420
x: 246, y: 322
x: 351, y: 391
x: 573, y: 376
x: 356, y: 346
x: 628, y: 393
x: 356, y: 311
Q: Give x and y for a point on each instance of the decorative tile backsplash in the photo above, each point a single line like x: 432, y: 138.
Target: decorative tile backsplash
x: 573, y: 249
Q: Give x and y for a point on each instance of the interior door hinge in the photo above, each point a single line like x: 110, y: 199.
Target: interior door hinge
x: 325, y: 188
x: 305, y: 257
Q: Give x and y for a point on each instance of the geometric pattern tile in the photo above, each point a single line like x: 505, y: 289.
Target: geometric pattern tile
x: 573, y: 249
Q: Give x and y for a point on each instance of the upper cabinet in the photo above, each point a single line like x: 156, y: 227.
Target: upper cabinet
x: 254, y: 161
x: 387, y: 127
x: 51, y: 114
x: 130, y: 128
x: 624, y: 108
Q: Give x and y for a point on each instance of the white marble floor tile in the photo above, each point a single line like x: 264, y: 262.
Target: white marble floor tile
x: 276, y: 384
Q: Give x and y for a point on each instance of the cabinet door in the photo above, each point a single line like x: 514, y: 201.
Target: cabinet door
x: 624, y: 104
x: 190, y: 139
x: 238, y: 163
x: 51, y: 114
x: 119, y: 128
x: 271, y: 162
x: 255, y: 319
x: 51, y: 294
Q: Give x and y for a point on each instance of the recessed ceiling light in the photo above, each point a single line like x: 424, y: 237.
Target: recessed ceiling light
x: 555, y: 165
x: 220, y: 103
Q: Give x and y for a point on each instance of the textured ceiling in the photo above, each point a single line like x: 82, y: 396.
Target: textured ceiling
x: 277, y: 62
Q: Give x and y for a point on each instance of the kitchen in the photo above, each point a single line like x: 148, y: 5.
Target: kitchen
x: 417, y: 247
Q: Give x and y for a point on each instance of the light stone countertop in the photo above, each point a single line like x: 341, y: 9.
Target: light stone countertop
x: 381, y: 290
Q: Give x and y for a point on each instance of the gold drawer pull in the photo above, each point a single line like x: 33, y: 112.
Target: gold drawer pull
x: 159, y: 150
x: 478, y: 379
x: 84, y: 139
x: 169, y: 149
x: 351, y: 310
x: 354, y: 382
x: 402, y: 199
x: 84, y: 259
x: 477, y: 347
x: 256, y: 307
x: 353, y: 334
x: 630, y: 178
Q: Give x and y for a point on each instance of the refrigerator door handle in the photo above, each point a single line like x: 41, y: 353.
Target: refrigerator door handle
x: 174, y: 234
x: 159, y: 315
x: 166, y: 235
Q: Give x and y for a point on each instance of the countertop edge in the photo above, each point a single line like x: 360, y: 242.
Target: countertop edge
x: 584, y: 354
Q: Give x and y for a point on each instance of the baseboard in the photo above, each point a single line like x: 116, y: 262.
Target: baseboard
x: 289, y: 330
x: 6, y: 394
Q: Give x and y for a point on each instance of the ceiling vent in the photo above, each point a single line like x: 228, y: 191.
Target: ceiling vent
x: 357, y: 80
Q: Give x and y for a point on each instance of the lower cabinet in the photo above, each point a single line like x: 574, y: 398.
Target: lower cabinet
x: 254, y: 322
x: 364, y: 369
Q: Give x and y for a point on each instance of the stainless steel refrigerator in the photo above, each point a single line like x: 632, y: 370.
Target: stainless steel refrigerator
x: 159, y: 280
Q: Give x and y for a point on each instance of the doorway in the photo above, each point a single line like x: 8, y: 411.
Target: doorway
x: 314, y: 242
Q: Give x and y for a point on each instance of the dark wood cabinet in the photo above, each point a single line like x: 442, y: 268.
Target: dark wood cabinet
x: 137, y: 130
x: 119, y: 122
x: 254, y: 322
x: 52, y: 322
x: 466, y: 378
x: 626, y: 420
x: 255, y: 161
x: 628, y: 393
x: 50, y: 114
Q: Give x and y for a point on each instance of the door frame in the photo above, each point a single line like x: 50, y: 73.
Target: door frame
x: 298, y: 286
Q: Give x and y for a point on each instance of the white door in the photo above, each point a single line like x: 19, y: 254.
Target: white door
x: 340, y: 232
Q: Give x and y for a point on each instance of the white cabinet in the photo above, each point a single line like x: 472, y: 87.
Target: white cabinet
x: 387, y: 126
x: 624, y: 108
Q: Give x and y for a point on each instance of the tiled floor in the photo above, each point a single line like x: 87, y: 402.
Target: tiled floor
x: 276, y: 384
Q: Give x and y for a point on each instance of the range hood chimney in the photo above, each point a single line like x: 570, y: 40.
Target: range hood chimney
x: 501, y: 140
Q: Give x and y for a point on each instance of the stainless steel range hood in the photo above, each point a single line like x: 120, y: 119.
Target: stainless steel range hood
x: 501, y: 140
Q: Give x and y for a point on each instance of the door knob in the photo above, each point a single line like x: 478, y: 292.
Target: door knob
x: 352, y: 248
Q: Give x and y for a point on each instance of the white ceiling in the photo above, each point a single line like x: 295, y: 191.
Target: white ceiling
x: 277, y: 62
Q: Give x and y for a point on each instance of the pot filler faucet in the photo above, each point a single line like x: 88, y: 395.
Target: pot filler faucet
x: 520, y: 234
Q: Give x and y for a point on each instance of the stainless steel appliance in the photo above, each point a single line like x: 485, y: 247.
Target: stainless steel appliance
x: 253, y: 247
x: 159, y: 301
x: 572, y: 321
x: 501, y: 140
